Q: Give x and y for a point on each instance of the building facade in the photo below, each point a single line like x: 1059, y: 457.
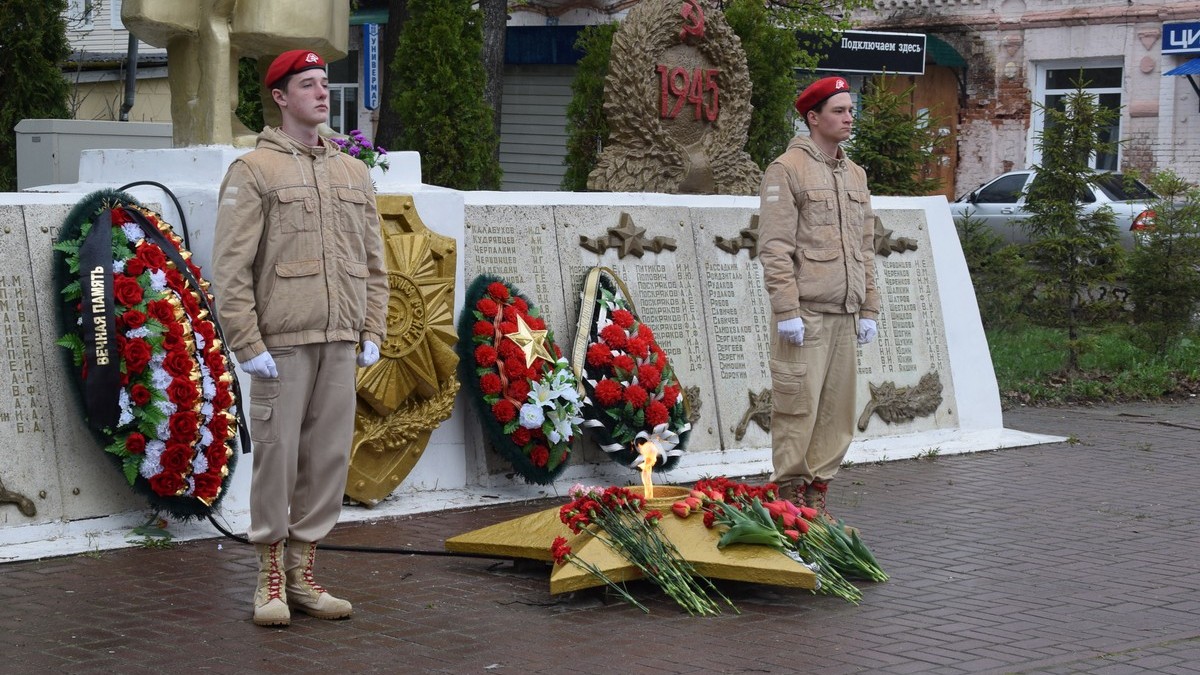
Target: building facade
x: 1021, y: 55
x: 990, y: 64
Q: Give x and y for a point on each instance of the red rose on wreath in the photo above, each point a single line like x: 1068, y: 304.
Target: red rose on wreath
x: 219, y: 426
x: 139, y: 394
x: 215, y: 454
x: 206, y: 331
x: 152, y: 256
x: 208, y: 485
x: 540, y: 455
x: 162, y: 311
x: 222, y: 399
x: 178, y: 364
x: 134, y: 318
x: 137, y: 354
x: 182, y: 393
x: 176, y: 458
x: 119, y: 217
x: 184, y: 425
x: 173, y: 342
x: 135, y: 267
x: 135, y: 443
x: 167, y: 484
x: 126, y: 290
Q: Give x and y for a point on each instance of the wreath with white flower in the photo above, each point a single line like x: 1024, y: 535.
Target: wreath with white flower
x: 154, y: 374
x: 525, y: 392
x: 632, y: 393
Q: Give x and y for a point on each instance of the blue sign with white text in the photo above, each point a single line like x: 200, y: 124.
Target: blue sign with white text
x: 370, y: 66
x: 1181, y: 38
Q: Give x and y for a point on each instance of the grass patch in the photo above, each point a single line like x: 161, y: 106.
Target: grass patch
x: 1029, y: 363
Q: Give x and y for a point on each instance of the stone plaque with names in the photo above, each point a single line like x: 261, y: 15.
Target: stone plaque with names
x: 50, y: 457
x: 518, y: 244
x: 737, y: 314
x: 912, y: 334
x: 664, y: 285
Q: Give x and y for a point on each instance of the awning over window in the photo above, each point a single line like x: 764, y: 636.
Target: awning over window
x: 943, y: 54
x: 1189, y: 68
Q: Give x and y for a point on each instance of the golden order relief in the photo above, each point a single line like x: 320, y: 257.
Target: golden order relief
x: 411, y: 390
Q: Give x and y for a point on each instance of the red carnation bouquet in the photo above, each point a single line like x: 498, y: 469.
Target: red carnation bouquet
x: 175, y: 424
x: 632, y: 394
x: 526, y: 393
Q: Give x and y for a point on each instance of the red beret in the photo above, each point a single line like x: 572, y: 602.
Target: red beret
x: 818, y: 91
x: 294, y: 61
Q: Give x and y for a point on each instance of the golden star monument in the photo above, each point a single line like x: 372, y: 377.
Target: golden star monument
x: 532, y: 342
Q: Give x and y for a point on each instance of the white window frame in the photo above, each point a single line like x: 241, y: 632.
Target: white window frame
x: 81, y: 14
x: 1037, y: 119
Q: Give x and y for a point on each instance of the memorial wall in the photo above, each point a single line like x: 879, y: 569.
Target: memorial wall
x: 691, y: 266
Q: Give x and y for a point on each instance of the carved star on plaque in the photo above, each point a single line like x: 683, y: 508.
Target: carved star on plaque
x: 746, y: 239
x: 628, y: 239
x: 631, y: 237
x: 532, y: 342
x: 885, y: 245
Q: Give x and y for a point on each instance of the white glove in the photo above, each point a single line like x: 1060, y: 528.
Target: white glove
x: 262, y: 365
x: 866, y: 331
x: 369, y: 354
x: 792, y: 330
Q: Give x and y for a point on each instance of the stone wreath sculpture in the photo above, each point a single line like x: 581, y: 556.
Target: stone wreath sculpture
x: 643, y: 155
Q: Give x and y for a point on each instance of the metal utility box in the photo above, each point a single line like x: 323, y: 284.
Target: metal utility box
x: 48, y: 150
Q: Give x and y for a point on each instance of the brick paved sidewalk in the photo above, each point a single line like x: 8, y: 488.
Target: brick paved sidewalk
x: 1065, y: 558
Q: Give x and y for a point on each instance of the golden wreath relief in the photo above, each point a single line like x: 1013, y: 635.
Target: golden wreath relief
x: 410, y: 391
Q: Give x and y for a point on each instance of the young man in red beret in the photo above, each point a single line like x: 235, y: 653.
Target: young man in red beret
x: 816, y: 246
x: 298, y: 261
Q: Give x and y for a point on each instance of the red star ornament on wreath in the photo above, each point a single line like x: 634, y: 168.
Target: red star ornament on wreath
x: 525, y: 393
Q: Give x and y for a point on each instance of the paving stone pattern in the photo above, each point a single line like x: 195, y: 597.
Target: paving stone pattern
x: 1077, y: 557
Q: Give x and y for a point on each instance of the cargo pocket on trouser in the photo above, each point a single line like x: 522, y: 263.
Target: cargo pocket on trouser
x: 263, y: 395
x: 789, y: 390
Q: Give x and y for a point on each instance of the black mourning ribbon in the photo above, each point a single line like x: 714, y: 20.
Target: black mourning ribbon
x: 155, y: 235
x: 100, y: 389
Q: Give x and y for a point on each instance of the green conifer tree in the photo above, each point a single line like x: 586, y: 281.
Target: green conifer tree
x: 33, y: 48
x: 894, y: 145
x: 1071, y: 250
x: 587, y: 126
x: 438, y: 100
x: 767, y: 45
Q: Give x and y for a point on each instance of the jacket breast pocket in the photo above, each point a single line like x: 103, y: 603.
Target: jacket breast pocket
x: 817, y: 207
x: 858, y: 204
x: 352, y: 209
x: 297, y: 209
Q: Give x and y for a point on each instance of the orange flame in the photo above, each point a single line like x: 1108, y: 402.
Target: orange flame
x: 650, y: 453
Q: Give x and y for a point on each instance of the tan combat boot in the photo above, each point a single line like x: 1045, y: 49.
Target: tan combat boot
x: 303, y: 593
x: 270, y: 598
x: 814, y: 497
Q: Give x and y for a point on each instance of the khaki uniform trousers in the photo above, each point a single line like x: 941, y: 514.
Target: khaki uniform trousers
x: 302, y: 426
x: 813, y: 391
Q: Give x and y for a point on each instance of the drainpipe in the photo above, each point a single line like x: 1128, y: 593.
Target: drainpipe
x: 131, y: 57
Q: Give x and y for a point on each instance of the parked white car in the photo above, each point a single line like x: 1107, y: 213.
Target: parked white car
x: 1001, y: 203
